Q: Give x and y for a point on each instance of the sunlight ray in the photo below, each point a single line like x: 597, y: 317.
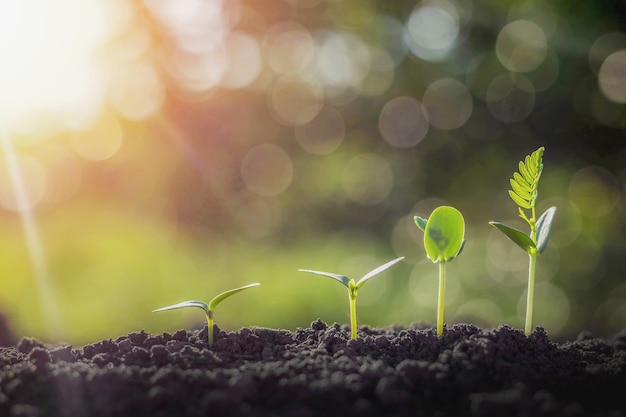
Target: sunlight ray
x: 49, y: 308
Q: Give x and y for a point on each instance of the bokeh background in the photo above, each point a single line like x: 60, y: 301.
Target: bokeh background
x: 162, y: 150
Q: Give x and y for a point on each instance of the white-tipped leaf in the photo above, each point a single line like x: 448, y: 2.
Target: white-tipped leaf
x: 544, y: 224
x: 185, y: 304
x: 420, y: 222
x: 341, y: 278
x: 377, y: 271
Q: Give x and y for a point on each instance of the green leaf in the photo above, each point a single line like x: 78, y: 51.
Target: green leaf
x: 341, y: 278
x: 522, y: 182
x: 523, y: 169
x: 520, y: 190
x: 544, y: 224
x: 444, y: 233
x: 221, y: 297
x: 460, y: 249
x: 184, y: 304
x: 420, y: 222
x: 519, y: 238
x: 519, y: 200
x: 377, y: 271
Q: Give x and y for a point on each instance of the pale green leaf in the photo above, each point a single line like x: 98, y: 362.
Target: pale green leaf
x: 185, y: 304
x: 544, y: 224
x: 221, y: 297
x: 444, y: 234
x: 377, y: 271
x: 341, y: 278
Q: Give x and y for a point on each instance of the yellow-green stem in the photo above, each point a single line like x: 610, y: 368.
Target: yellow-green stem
x: 209, y: 319
x: 532, y: 262
x: 442, y: 292
x: 352, y: 294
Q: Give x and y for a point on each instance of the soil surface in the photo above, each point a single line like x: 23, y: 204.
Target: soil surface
x: 319, y: 371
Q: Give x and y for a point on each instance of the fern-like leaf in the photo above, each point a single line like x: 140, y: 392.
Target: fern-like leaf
x: 524, y: 183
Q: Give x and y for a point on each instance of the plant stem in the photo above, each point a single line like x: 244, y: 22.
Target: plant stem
x: 532, y: 262
x: 209, y: 319
x: 352, y: 291
x: 442, y: 291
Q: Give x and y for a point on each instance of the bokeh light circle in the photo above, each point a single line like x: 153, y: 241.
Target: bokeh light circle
x: 295, y: 101
x: 604, y: 46
x: 343, y: 61
x: 432, y: 29
x: 612, y: 77
x: 101, y: 141
x: 137, y: 92
x: 367, y: 179
x: 402, y: 122
x: 290, y: 47
x: 267, y: 170
x: 510, y: 98
x: 594, y: 191
x: 323, y: 134
x: 521, y: 46
x: 448, y: 104
x: 244, y: 63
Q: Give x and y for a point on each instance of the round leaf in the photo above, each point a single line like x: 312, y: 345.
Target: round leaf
x: 444, y: 233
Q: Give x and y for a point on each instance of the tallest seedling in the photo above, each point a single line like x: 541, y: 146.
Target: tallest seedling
x: 524, y: 193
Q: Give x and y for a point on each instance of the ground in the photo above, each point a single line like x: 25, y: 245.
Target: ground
x: 319, y: 371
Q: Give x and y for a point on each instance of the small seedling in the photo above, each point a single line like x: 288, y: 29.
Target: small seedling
x: 354, y: 286
x: 444, y: 239
x: 209, y: 309
x: 524, y: 193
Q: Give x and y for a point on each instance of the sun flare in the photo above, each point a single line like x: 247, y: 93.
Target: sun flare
x: 48, y: 61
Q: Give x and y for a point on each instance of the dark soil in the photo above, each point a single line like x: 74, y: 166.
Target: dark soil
x: 319, y: 371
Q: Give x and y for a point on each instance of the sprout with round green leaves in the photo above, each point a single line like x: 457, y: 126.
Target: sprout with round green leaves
x: 524, y: 193
x: 353, y: 287
x: 209, y: 309
x: 444, y: 233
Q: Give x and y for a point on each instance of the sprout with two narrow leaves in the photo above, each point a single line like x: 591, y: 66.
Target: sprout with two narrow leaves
x: 444, y: 233
x: 209, y: 309
x: 354, y: 286
x: 524, y: 193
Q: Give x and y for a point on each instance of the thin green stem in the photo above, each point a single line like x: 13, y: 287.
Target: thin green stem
x: 209, y: 319
x: 442, y: 291
x: 352, y: 291
x: 532, y: 263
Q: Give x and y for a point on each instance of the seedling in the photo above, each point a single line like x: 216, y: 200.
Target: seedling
x: 524, y: 193
x: 444, y: 239
x: 209, y: 309
x: 353, y: 287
